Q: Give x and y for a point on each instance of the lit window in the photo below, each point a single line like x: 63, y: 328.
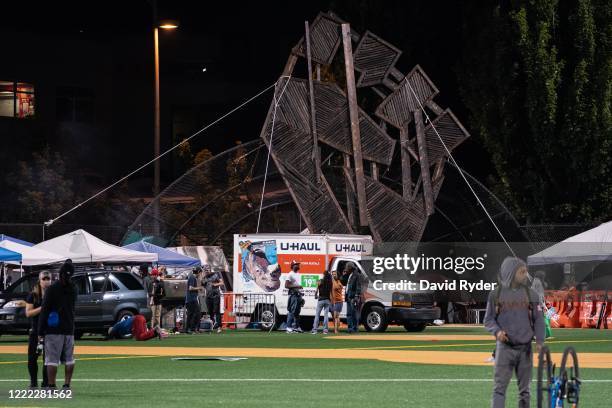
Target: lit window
x: 16, y: 99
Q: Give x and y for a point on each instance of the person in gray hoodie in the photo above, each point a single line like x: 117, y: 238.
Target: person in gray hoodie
x: 514, y: 316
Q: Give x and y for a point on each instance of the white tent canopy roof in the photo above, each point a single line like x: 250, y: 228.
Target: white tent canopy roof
x: 592, y: 245
x: 31, y: 255
x: 82, y: 247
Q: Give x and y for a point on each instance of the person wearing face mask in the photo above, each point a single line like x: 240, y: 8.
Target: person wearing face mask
x: 514, y: 316
x: 33, y: 307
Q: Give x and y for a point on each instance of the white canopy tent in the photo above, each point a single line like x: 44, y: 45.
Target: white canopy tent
x: 592, y: 245
x: 82, y: 247
x: 30, y: 255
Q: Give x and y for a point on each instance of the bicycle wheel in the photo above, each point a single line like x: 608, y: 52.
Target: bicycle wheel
x: 570, y: 375
x: 544, y: 377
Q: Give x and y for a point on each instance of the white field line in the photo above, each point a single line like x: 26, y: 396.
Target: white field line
x: 322, y: 380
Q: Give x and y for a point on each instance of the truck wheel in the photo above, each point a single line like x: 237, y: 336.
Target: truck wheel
x: 415, y: 327
x: 121, y: 315
x: 267, y: 318
x: 375, y: 319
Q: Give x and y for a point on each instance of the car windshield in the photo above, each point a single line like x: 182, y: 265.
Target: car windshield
x: 23, y: 285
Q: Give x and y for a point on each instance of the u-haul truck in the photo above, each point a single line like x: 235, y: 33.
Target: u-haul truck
x: 262, y: 262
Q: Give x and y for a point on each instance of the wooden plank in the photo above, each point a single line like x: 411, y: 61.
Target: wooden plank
x: 439, y: 170
x: 424, y: 162
x: 350, y: 189
x: 434, y: 107
x: 313, y: 119
x: 374, y: 171
x: 406, y: 171
x: 354, y: 118
x: 379, y: 92
x: 290, y: 65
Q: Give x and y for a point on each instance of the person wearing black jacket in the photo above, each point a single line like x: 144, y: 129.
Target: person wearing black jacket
x: 213, y: 283
x: 353, y: 298
x: 156, y: 296
x: 33, y: 308
x: 56, y: 325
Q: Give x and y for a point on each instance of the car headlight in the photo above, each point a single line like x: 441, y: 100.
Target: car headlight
x: 401, y: 300
x: 15, y: 303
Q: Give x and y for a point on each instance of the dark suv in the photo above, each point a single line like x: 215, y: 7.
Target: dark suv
x: 103, y: 298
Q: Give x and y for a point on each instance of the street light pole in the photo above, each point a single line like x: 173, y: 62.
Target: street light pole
x: 167, y: 25
x: 156, y: 130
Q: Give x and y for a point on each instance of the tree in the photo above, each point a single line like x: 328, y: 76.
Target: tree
x: 536, y: 77
x: 39, y: 188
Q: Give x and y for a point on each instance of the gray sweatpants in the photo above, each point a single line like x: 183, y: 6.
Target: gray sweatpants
x: 518, y: 359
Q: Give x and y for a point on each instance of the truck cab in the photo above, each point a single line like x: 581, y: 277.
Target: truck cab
x: 413, y: 310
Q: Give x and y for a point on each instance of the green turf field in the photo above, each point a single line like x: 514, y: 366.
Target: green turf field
x: 137, y: 381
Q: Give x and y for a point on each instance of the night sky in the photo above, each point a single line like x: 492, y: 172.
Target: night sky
x: 242, y: 45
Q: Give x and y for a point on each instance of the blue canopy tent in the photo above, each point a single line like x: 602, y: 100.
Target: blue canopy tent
x: 166, y: 256
x: 8, y: 255
x: 13, y: 239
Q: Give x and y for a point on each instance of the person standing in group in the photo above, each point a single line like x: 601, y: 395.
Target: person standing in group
x: 323, y: 294
x: 337, y: 298
x: 156, y: 296
x: 33, y: 308
x: 146, y: 281
x: 514, y: 316
x: 56, y: 325
x: 294, y: 304
x: 191, y: 302
x: 353, y: 298
x: 213, y: 283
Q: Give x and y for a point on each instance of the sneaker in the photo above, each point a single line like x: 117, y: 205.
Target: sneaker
x: 313, y: 332
x: 289, y: 330
x: 219, y: 330
x: 325, y: 332
x: 490, y: 360
x: 66, y: 387
x: 33, y: 386
x: 299, y: 330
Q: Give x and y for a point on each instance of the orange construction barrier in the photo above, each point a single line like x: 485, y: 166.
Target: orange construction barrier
x: 571, y: 315
x: 607, y: 320
x: 575, y: 309
x: 229, y: 317
x: 587, y: 311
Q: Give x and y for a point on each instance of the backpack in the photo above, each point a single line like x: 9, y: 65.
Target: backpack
x: 53, y: 319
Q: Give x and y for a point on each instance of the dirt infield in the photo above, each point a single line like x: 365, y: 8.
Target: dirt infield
x: 587, y: 360
x: 415, y: 337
